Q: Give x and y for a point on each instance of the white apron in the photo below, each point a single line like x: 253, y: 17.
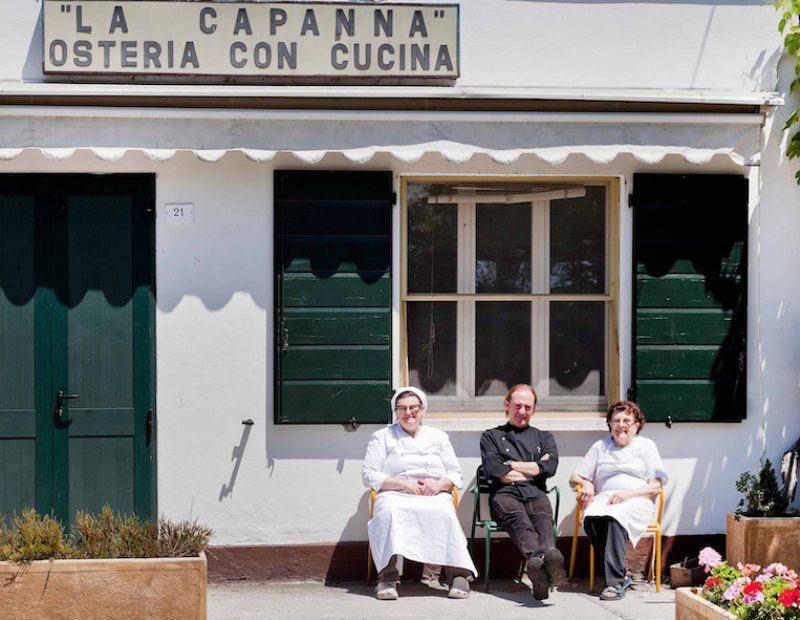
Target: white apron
x: 613, y: 469
x: 418, y: 527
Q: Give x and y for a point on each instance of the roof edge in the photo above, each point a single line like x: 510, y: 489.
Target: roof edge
x: 384, y: 97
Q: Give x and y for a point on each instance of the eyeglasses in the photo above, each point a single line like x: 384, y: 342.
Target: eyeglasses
x: 623, y: 422
x: 409, y: 408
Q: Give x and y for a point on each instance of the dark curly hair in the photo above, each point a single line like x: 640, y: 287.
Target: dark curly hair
x: 629, y: 406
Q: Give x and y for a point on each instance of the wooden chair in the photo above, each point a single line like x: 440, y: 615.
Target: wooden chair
x: 653, y: 528
x: 481, y: 487
x: 372, y: 495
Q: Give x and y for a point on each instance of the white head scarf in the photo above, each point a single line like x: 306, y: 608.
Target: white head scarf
x: 416, y: 391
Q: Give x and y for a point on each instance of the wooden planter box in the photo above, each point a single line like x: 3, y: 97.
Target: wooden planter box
x: 689, y: 605
x: 763, y: 540
x: 103, y: 589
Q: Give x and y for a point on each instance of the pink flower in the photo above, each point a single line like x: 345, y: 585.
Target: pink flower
x: 732, y: 592
x: 776, y: 568
x: 709, y: 558
x: 753, y: 598
x: 748, y: 569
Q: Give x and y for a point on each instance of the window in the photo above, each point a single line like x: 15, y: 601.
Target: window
x: 508, y: 282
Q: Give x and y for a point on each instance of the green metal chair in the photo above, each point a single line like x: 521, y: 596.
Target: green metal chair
x: 481, y: 487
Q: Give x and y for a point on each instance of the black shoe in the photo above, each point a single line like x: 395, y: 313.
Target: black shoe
x: 539, y: 579
x: 554, y: 566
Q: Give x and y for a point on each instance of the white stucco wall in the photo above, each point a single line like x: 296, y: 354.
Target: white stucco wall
x: 292, y: 484
x: 523, y: 43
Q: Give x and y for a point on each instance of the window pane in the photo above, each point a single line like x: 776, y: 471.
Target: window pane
x: 577, y: 243
x: 502, y: 346
x: 432, y: 347
x: 577, y: 348
x: 503, y: 248
x: 432, y: 243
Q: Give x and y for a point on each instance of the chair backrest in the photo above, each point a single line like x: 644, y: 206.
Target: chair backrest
x: 660, y: 505
x: 481, y: 487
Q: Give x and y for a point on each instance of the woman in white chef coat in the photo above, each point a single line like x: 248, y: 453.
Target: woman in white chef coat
x: 619, y: 477
x: 413, y: 468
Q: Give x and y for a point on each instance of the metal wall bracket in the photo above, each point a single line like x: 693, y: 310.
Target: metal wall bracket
x: 351, y: 426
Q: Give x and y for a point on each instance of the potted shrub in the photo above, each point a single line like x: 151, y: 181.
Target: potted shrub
x: 760, y: 530
x: 746, y: 592
x: 111, y: 566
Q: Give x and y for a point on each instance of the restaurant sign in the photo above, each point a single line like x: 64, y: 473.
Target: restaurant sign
x: 302, y: 40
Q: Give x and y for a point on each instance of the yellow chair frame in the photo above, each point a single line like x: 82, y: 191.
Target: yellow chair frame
x: 372, y: 495
x: 653, y: 528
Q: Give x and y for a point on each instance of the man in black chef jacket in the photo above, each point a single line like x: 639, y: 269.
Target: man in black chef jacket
x: 517, y: 460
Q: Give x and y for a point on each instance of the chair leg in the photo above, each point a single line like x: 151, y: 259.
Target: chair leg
x: 591, y: 568
x: 488, y: 555
x: 658, y: 562
x: 574, y: 550
x: 572, y: 554
x: 521, y: 570
x: 369, y: 565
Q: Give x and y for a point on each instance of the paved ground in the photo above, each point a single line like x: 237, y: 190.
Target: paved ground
x: 355, y: 601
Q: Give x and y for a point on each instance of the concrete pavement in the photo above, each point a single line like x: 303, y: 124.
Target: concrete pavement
x: 355, y: 601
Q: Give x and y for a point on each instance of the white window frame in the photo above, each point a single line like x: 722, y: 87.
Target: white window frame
x: 463, y: 402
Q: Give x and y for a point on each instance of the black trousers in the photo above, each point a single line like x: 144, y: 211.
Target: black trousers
x: 528, y: 522
x: 610, y: 540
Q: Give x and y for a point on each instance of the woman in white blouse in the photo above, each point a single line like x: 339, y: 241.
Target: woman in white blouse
x: 619, y: 477
x: 413, y: 468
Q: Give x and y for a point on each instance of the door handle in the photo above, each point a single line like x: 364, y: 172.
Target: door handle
x: 60, y: 398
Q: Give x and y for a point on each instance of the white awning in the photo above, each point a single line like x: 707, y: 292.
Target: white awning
x: 160, y: 133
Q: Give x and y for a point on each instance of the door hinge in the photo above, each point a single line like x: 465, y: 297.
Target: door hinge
x: 149, y: 426
x: 631, y: 201
x: 394, y: 199
x: 284, y: 336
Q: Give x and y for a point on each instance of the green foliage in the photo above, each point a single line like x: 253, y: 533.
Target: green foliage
x: 789, y: 27
x: 32, y: 537
x: 112, y: 535
x: 182, y: 539
x: 762, y: 496
x: 104, y: 536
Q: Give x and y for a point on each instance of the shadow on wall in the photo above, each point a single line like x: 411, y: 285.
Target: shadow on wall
x: 315, y: 442
x: 353, y: 554
x: 236, y: 457
x: 32, y: 71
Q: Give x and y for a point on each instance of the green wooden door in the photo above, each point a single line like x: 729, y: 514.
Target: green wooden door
x: 76, y: 309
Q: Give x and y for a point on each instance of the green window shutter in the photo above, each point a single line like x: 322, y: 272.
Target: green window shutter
x: 333, y: 294
x: 690, y: 300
